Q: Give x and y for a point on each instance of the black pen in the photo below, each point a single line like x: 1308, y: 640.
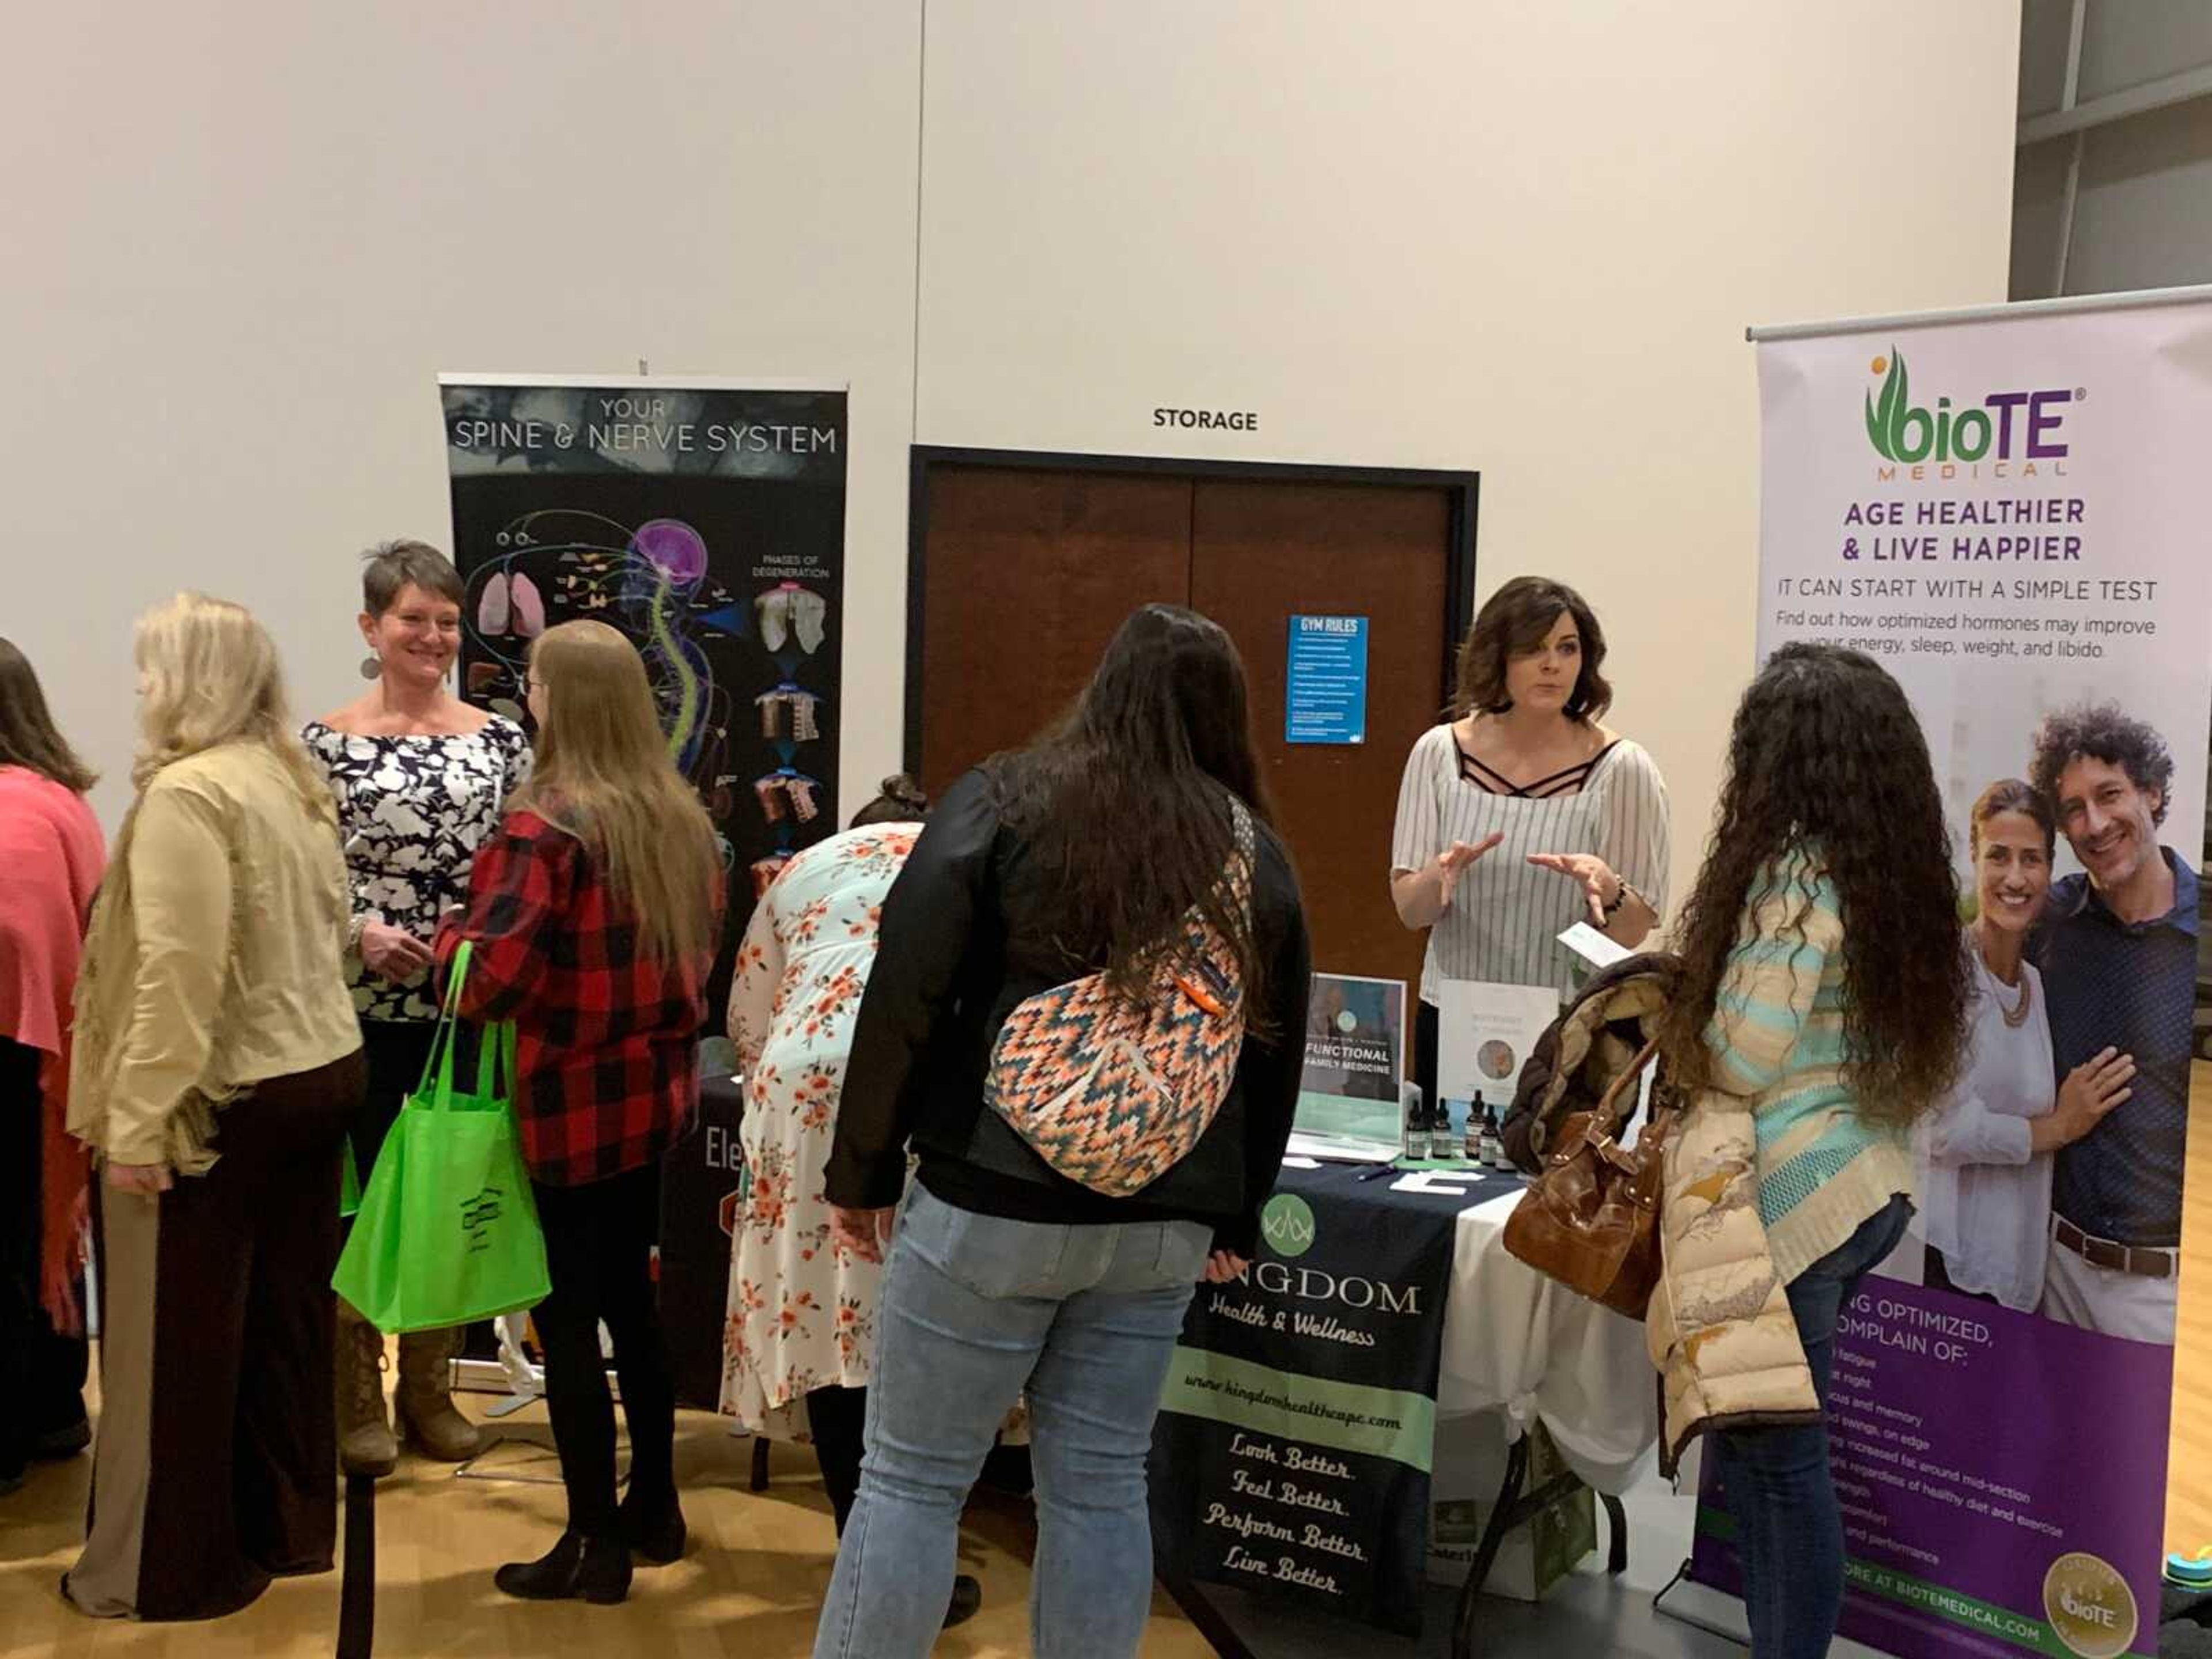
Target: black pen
x: 1378, y: 1173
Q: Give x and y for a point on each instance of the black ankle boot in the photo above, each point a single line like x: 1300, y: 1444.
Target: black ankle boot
x: 967, y: 1597
x: 594, y: 1570
x: 654, y: 1530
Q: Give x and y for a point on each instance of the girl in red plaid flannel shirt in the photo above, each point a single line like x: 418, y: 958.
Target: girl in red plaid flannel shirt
x: 595, y: 912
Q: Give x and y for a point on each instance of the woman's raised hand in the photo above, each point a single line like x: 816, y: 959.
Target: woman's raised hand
x: 1456, y: 858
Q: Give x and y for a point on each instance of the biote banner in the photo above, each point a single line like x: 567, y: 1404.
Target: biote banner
x: 706, y: 521
x: 2009, y: 513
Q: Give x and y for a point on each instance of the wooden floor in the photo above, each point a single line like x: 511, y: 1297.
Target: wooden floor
x: 2189, y: 1465
x: 748, y: 1588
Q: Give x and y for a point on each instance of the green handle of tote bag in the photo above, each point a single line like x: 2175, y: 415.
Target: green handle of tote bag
x: 495, y: 1054
x: 447, y: 1232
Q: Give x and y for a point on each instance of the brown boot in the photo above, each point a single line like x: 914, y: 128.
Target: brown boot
x: 424, y: 1409
x: 365, y: 1445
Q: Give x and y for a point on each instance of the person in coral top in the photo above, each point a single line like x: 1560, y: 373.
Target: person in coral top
x: 50, y: 857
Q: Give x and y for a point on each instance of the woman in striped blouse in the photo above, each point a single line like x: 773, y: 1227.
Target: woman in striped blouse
x: 1824, y: 991
x: 1524, y: 814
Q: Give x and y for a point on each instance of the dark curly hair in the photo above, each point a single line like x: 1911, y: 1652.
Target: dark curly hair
x: 2101, y: 731
x: 1516, y: 620
x: 1827, y: 759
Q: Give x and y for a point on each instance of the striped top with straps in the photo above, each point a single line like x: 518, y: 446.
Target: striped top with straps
x: 1506, y: 914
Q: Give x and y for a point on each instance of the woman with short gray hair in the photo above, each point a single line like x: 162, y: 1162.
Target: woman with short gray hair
x: 419, y: 777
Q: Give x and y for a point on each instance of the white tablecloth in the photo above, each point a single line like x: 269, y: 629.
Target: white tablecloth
x: 1519, y: 1343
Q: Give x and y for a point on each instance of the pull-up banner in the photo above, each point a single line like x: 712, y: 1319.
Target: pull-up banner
x: 2009, y: 513
x: 704, y: 520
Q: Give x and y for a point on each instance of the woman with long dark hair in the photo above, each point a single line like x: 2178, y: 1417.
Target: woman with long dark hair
x: 51, y: 856
x: 1126, y: 859
x: 1821, y: 1013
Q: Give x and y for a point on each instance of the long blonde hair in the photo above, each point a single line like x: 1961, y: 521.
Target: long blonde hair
x: 208, y: 674
x: 603, y: 775
x: 208, y: 677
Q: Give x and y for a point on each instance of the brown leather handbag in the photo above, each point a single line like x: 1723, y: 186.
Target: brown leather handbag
x: 1591, y: 1219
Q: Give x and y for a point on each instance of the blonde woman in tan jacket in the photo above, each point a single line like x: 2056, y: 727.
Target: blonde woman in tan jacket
x: 217, y: 1060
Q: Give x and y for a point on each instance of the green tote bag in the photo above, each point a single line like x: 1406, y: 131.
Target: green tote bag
x: 448, y: 1230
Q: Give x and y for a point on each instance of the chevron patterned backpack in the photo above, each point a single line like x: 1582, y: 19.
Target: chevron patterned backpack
x: 1114, y: 1093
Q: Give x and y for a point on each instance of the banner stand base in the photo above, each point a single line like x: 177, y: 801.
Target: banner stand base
x: 1702, y: 1607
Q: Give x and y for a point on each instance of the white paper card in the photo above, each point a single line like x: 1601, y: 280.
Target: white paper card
x: 1337, y: 1149
x: 1594, y: 947
x: 1484, y: 1032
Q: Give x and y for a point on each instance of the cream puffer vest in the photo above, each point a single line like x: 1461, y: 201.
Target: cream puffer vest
x: 1720, y: 1329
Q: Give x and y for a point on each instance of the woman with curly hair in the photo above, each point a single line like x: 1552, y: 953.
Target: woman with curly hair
x: 1824, y: 995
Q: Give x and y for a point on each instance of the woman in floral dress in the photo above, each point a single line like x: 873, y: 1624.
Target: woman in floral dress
x: 799, y: 1339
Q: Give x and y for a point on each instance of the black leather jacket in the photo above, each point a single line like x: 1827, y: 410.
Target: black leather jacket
x: 965, y: 940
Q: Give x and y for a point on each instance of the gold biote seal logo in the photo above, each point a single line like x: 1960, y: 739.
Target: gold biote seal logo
x: 2090, y: 1607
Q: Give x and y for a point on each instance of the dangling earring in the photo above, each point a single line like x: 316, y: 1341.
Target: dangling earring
x: 371, y: 667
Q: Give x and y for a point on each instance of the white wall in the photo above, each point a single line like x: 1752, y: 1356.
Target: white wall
x: 1519, y: 238
x: 239, y: 253
x: 1467, y: 234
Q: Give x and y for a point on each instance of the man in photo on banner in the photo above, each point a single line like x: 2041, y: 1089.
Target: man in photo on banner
x: 2117, y: 950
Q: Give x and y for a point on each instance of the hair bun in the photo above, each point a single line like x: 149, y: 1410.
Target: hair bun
x: 903, y: 790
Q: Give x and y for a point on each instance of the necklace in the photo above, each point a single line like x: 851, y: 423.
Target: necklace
x: 2015, y: 1017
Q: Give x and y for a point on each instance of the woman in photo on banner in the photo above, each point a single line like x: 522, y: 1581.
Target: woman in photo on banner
x: 1072, y: 870
x: 1524, y: 814
x: 799, y: 1334
x: 1822, y: 1013
x: 1985, y: 1158
x: 216, y: 1063
x: 594, y: 914
x: 51, y: 859
x: 419, y: 777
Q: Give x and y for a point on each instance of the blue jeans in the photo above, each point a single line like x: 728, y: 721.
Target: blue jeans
x: 1789, y: 1528
x: 975, y: 1309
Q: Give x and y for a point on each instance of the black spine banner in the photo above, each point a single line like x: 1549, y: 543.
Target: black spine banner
x: 708, y: 523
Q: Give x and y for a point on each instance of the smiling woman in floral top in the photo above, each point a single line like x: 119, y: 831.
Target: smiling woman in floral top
x: 799, y: 1342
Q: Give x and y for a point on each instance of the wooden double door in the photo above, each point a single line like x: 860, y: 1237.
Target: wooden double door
x: 1024, y: 574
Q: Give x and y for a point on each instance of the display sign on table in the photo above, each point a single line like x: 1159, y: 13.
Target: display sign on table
x: 1296, y: 1430
x: 1355, y: 1058
x: 1484, y: 1033
x: 2009, y: 513
x: 1325, y: 695
x: 705, y: 520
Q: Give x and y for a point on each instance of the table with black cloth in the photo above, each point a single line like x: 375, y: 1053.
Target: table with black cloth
x: 1308, y: 1403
